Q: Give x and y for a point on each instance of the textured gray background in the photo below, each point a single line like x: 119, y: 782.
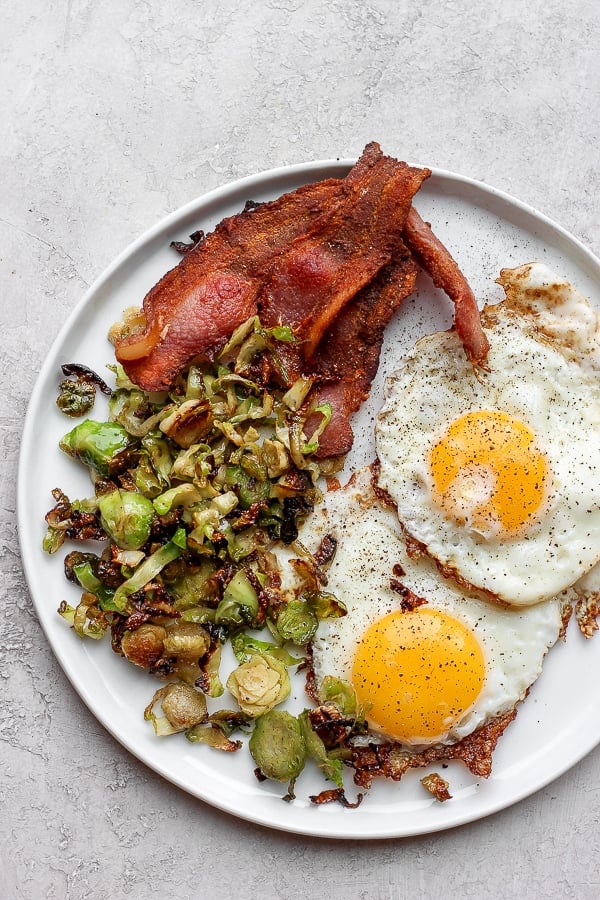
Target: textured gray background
x: 115, y: 113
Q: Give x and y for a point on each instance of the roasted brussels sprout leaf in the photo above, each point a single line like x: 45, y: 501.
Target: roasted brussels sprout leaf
x: 127, y: 518
x: 77, y: 392
x: 296, y: 622
x: 102, y: 446
x: 244, y: 646
x: 316, y: 750
x: 334, y: 690
x: 259, y: 684
x: 336, y: 795
x: 277, y: 746
x: 213, y: 736
x: 183, y: 707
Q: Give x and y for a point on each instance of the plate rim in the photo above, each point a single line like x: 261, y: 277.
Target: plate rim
x: 196, y: 207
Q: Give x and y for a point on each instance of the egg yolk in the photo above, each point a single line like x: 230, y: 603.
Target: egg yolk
x: 416, y: 673
x: 487, y: 473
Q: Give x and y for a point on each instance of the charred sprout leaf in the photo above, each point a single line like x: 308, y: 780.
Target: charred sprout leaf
x: 71, y: 520
x: 126, y: 517
x: 84, y: 572
x: 144, y: 646
x: 259, y: 684
x: 312, y: 445
x: 85, y: 618
x: 209, y: 680
x: 325, y: 605
x: 78, y: 370
x: 77, y: 392
x: 159, y: 458
x: 99, y: 445
x: 296, y: 622
x: 132, y: 410
x: 277, y: 746
x: 229, y: 720
x: 249, y: 488
x: 245, y: 646
x: 437, y: 786
x: 189, y: 423
x: 192, y: 588
x: 336, y: 795
x: 316, y: 750
x: 181, y: 495
x: 75, y: 398
x: 185, y: 639
x: 212, y: 736
x: 149, y: 569
x: 183, y: 707
x: 239, y: 605
x: 343, y: 695
x: 199, y: 614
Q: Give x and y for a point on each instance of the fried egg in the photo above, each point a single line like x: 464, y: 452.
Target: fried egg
x: 428, y: 676
x: 497, y: 473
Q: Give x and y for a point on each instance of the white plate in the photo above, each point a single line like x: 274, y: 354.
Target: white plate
x: 560, y: 722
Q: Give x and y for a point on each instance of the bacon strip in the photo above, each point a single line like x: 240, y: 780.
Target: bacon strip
x: 215, y: 287
x: 324, y: 269
x: 445, y: 273
x: 348, y: 356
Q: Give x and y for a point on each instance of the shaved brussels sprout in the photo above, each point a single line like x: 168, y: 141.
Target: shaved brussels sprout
x: 144, y: 646
x: 259, y: 684
x: 239, y: 605
x: 277, y: 745
x: 100, y: 445
x: 126, y: 516
x: 296, y: 622
x: 182, y: 706
x: 193, y: 486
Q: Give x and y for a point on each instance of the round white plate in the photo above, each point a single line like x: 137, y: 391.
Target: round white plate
x: 559, y: 723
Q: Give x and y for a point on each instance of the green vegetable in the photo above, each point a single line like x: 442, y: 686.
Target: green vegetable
x: 316, y: 750
x: 277, y: 745
x: 239, y: 605
x: 244, y: 646
x: 76, y: 398
x: 86, y: 577
x: 296, y: 622
x: 334, y: 690
x: 126, y: 517
x: 248, y: 488
x: 149, y: 569
x: 182, y: 706
x: 100, y: 445
x: 259, y: 684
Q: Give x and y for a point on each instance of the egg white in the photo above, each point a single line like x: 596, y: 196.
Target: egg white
x: 544, y: 363
x: 514, y: 642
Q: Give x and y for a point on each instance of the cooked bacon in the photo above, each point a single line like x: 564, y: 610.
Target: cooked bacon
x: 445, y: 273
x: 348, y: 356
x: 197, y: 305
x: 355, y: 237
x: 328, y: 260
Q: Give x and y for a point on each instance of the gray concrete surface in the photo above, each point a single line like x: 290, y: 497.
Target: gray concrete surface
x: 115, y: 113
